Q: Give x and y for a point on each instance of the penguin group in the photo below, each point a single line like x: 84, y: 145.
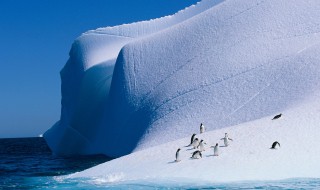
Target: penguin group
x: 199, y: 145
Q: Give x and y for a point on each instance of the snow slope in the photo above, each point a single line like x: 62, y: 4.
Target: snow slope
x: 231, y: 63
x: 225, y: 66
x: 248, y: 157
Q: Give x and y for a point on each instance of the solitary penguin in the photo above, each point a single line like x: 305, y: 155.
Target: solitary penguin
x: 195, y: 143
x: 196, y: 154
x: 178, y: 155
x: 215, y: 150
x: 277, y: 116
x: 274, y: 144
x: 201, y: 145
x: 226, y: 139
x: 202, y: 129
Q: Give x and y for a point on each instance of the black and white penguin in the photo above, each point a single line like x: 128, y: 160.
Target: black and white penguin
x: 277, y: 116
x: 201, y: 145
x: 178, y: 155
x: 202, y: 129
x: 215, y: 150
x: 196, y: 154
x: 192, y: 138
x: 274, y: 144
x: 195, y: 143
x: 226, y: 139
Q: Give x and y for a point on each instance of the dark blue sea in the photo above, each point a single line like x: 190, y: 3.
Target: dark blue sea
x: 27, y: 163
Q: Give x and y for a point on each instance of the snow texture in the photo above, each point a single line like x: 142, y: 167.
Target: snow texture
x: 86, y: 80
x: 231, y: 65
x: 248, y: 157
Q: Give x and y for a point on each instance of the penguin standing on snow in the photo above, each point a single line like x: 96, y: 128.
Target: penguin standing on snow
x: 277, y: 116
x: 202, y: 129
x: 196, y: 154
x: 192, y: 139
x: 195, y: 143
x: 201, y: 145
x: 178, y: 155
x: 226, y: 139
x: 274, y: 144
x: 215, y: 150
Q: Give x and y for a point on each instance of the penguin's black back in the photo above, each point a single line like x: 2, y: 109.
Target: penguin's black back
x: 277, y: 116
x: 192, y: 138
x: 195, y: 152
x: 274, y: 144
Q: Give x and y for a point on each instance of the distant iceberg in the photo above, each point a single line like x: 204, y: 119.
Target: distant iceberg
x: 221, y: 63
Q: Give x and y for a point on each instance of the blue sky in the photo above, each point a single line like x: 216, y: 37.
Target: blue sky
x: 35, y: 38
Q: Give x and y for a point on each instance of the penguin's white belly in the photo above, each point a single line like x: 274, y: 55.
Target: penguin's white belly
x: 195, y: 144
x: 178, y: 157
x: 196, y: 156
x: 226, y: 141
x: 215, y: 151
x: 202, y: 130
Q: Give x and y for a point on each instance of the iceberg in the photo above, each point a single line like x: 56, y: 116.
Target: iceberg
x: 140, y: 90
x: 86, y: 80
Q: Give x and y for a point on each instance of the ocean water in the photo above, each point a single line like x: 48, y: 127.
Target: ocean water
x: 27, y: 163
x: 22, y: 159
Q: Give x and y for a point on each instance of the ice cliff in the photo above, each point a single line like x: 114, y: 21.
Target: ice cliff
x: 222, y: 63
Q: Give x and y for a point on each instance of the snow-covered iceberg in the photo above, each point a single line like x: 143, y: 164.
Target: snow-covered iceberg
x: 86, y: 80
x: 222, y: 63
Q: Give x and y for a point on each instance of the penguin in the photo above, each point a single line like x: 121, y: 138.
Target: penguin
x: 274, y: 144
x: 192, y: 139
x: 195, y: 143
x: 202, y: 129
x: 201, y: 145
x: 178, y: 155
x: 277, y: 116
x: 226, y: 139
x: 215, y: 150
x: 196, y: 154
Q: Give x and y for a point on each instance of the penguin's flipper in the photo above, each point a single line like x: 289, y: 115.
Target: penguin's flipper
x: 230, y: 139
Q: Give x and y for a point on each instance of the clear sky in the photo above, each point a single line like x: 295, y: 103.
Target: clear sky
x: 35, y: 38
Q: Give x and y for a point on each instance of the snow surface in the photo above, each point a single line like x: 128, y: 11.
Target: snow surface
x: 231, y: 65
x: 248, y: 157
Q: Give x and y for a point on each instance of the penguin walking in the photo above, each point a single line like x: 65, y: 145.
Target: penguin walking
x: 274, y: 144
x: 196, y: 154
x: 215, y: 150
x: 178, y: 155
x: 277, y: 116
x: 201, y: 145
x: 202, y: 129
x: 195, y: 143
x: 226, y: 139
